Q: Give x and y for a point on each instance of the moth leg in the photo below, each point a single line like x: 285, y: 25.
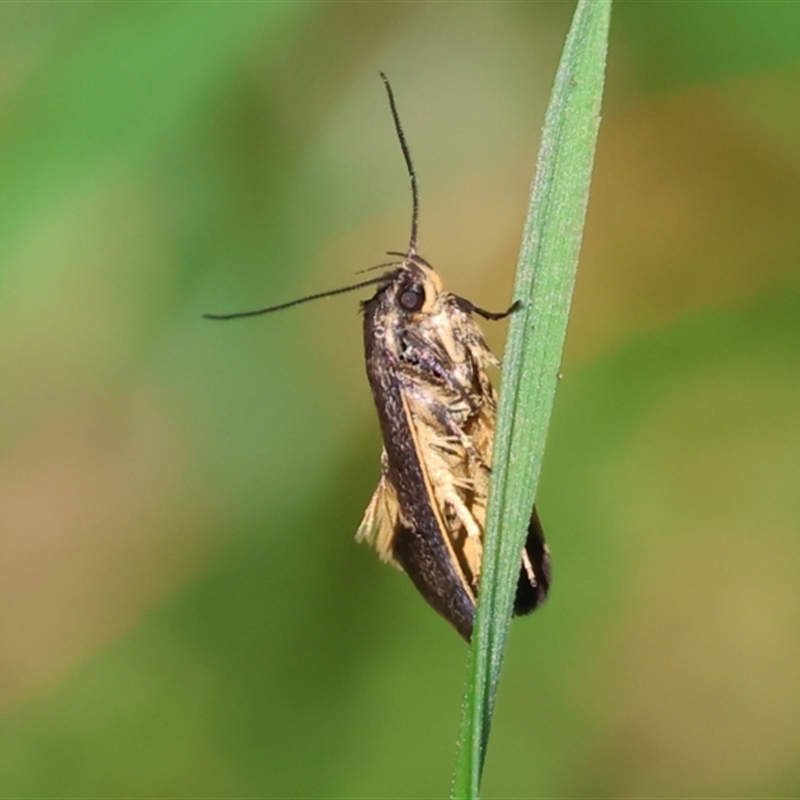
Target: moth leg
x: 449, y: 445
x: 528, y: 567
x: 472, y: 545
x: 451, y: 496
x: 471, y: 308
x: 444, y: 417
x: 445, y: 414
x: 467, y: 444
x: 465, y: 379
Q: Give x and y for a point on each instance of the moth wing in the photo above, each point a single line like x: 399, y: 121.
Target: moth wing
x: 379, y: 525
x: 446, y: 472
x: 535, y: 568
x: 437, y: 562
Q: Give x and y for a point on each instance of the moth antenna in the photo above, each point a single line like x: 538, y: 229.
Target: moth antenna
x: 412, y: 242
x: 307, y: 299
x: 381, y: 266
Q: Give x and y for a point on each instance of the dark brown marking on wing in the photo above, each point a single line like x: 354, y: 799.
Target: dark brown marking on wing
x: 422, y: 559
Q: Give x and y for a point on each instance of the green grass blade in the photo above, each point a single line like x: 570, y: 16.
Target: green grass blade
x: 545, y: 278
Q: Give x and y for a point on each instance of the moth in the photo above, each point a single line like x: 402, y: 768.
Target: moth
x: 426, y: 361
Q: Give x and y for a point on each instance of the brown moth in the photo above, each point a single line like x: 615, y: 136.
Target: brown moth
x: 427, y: 362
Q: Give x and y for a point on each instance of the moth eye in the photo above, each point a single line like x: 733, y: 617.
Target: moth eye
x: 412, y: 299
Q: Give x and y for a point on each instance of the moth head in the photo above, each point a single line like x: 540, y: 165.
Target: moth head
x: 415, y: 288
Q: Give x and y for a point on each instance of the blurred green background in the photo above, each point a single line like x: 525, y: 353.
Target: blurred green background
x: 183, y: 611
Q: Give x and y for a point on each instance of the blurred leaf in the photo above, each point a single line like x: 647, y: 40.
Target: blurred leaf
x: 138, y: 71
x: 688, y: 43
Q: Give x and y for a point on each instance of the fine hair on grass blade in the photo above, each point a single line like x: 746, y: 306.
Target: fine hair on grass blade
x: 545, y: 279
